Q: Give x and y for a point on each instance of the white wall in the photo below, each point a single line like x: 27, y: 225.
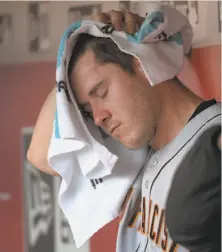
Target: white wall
x: 205, y: 33
x: 17, y: 51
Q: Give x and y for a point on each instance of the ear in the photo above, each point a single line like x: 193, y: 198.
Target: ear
x: 137, y: 66
x: 138, y: 69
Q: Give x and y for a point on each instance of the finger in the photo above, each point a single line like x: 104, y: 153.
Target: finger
x: 102, y: 17
x: 116, y: 19
x: 139, y: 21
x: 130, y: 22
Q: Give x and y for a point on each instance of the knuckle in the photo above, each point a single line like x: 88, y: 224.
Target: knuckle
x: 98, y: 17
x: 114, y: 14
x: 111, y: 12
x: 101, y: 17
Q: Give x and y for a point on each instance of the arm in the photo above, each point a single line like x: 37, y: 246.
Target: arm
x: 38, y: 149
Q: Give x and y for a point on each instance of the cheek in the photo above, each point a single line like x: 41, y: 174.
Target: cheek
x: 127, y: 101
x: 125, y: 110
x: 121, y: 101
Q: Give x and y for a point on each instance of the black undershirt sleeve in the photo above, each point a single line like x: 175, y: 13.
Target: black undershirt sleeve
x: 193, y: 209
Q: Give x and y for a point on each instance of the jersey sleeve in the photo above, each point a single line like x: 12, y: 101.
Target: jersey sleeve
x: 193, y: 209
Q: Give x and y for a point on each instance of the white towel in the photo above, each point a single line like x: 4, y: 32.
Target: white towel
x: 97, y: 172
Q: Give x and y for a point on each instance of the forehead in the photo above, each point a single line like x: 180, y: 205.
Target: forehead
x: 86, y: 73
x: 85, y: 63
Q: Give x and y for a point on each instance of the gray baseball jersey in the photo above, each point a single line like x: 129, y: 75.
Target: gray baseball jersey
x: 142, y: 223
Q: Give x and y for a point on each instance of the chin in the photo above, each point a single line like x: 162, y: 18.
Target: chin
x: 134, y: 144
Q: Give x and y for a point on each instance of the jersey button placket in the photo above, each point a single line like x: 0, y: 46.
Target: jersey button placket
x: 146, y: 184
x: 154, y: 162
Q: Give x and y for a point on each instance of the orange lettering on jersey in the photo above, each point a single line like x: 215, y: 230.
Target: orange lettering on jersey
x: 143, y: 226
x: 155, y: 213
x: 173, y: 247
x: 165, y: 239
x: 140, y: 228
x: 127, y: 198
x: 149, y: 214
x: 160, y: 226
x: 134, y: 220
x: 153, y: 226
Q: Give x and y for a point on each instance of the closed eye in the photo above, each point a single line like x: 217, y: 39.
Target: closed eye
x: 104, y: 94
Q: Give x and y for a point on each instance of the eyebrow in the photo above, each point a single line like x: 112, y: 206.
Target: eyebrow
x: 94, y: 89
x: 92, y: 92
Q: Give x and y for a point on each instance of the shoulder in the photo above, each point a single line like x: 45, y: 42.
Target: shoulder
x: 194, y: 196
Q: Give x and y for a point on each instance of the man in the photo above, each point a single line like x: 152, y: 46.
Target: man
x: 167, y: 117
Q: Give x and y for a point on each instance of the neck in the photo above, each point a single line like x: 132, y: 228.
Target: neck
x: 176, y: 107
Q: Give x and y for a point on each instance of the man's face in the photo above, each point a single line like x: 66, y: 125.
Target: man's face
x: 121, y: 104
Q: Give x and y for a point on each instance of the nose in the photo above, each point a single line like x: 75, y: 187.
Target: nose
x: 100, y: 115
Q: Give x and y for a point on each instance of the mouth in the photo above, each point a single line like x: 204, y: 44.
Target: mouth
x: 113, y: 131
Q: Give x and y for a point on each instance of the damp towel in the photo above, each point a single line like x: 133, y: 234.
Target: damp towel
x: 96, y: 171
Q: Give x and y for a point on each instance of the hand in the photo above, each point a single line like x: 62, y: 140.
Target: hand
x: 121, y: 20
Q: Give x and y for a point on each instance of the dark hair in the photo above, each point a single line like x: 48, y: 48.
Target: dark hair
x: 105, y: 50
